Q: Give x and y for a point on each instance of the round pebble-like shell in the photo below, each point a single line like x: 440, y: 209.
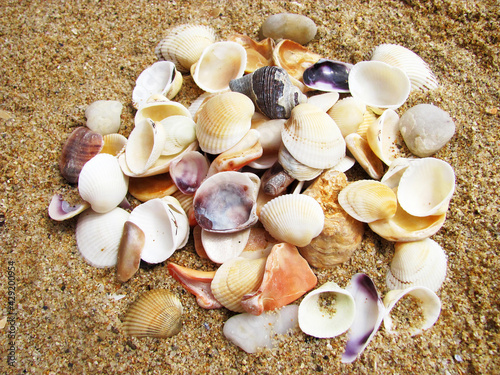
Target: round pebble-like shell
x: 103, y: 116
x: 156, y: 313
x: 348, y: 114
x: 296, y: 27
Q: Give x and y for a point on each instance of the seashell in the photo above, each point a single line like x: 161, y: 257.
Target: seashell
x: 226, y: 202
x: 259, y: 54
x: 253, y: 333
x: 81, y: 146
x: 396, y: 169
x: 223, y: 121
x: 348, y: 114
x: 313, y: 138
x: 287, y: 277
x: 325, y: 101
x: 417, y: 70
x: 382, y: 136
x: 259, y: 244
x: 184, y: 45
x: 296, y: 27
x: 114, y: 144
x: 197, y: 283
x: 369, y: 117
x: 103, y: 116
x: 158, y: 78
x: 156, y: 313
x: 370, y: 311
x: 245, y: 151
x: 129, y: 251
x: 426, y: 187
x: 158, y: 108
x: 275, y: 180
x: 427, y: 300
x: 341, y: 234
x: 271, y: 91
x: 364, y: 155
x: 327, y: 75
x: 146, y: 188
x: 296, y: 169
x: 269, y: 138
x: 186, y: 202
x: 180, y: 131
x: 102, y: 183
x: 218, y: 65
x: 368, y: 200
x: 418, y: 263
x: 345, y: 164
x: 180, y: 218
x: 235, y: 278
x: 294, y: 58
x: 327, y: 311
x: 98, y: 236
x: 426, y: 129
x: 188, y: 171
x: 61, y: 210
x: 198, y: 103
x: 221, y: 247
x: 378, y: 84
x: 293, y: 218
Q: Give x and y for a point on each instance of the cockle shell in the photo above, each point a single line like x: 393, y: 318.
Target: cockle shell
x: 312, y: 137
x: 129, y: 251
x: 102, y: 183
x: 378, y: 84
x: 296, y: 27
x: 326, y: 318
x: 184, y: 45
x: 98, y: 236
x: 259, y: 54
x: 219, y: 63
x: 418, y: 263
x: 223, y: 121
x: 81, y: 146
x: 382, y: 136
x: 364, y: 155
x: 293, y: 218
x: 271, y: 90
x: 294, y: 58
x: 327, y: 75
x: 188, y: 171
x: 180, y: 132
x: 368, y: 200
x: 156, y: 313
x: 348, y: 114
x: 103, y: 116
x: 114, y: 144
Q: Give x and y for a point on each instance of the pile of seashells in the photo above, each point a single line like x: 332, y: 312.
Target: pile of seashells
x: 255, y: 167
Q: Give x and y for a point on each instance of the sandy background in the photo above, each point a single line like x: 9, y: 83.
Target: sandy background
x: 58, y: 57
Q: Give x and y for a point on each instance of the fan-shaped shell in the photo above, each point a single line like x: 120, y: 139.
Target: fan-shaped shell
x: 156, y: 313
x: 180, y: 133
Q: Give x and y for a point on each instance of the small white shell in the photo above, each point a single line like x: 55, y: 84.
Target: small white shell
x: 103, y: 116
x: 382, y: 136
x: 329, y: 319
x: 155, y: 79
x: 220, y: 247
x: 102, y: 183
x: 324, y: 101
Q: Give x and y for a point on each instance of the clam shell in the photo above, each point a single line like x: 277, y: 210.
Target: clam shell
x: 180, y: 133
x: 382, y: 136
x: 155, y: 79
x: 418, y: 263
x: 348, y: 114
x: 313, y: 138
x: 188, y: 171
x: 296, y: 27
x: 378, y: 84
x: 327, y: 75
x: 329, y: 318
x: 129, y: 251
x: 218, y: 65
x: 98, y: 236
x: 103, y: 116
x: 158, y: 108
x: 364, y: 155
x: 184, y: 45
x: 221, y: 247
x: 102, y: 183
x: 294, y: 58
x: 324, y: 101
x: 114, y: 144
x: 146, y: 188
x: 296, y: 169
x: 368, y: 200
x: 269, y: 138
x: 396, y: 169
x: 293, y: 218
x: 156, y: 313
x: 61, y: 210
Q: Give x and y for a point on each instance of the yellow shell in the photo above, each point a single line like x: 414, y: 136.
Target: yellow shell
x: 156, y: 313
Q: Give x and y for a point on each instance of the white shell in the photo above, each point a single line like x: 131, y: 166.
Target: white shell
x: 426, y: 187
x: 418, y: 263
x: 324, y: 101
x: 114, y: 143
x: 294, y: 168
x: 347, y: 114
x: 382, y: 136
x: 155, y: 79
x: 293, y: 218
x: 218, y: 64
x: 220, y: 247
x: 102, y: 183
x: 61, y: 210
x: 180, y: 131
x: 98, y: 236
x: 364, y: 155
x: 396, y: 169
x: 103, y: 116
x: 326, y: 321
x: 379, y: 85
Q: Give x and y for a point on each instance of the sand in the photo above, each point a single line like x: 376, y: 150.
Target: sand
x: 58, y: 57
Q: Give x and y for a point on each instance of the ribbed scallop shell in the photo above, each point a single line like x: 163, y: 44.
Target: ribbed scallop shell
x: 184, y: 45
x: 418, y: 263
x: 235, y: 278
x: 223, y: 121
x: 293, y: 218
x: 368, y: 200
x: 313, y: 138
x: 156, y: 313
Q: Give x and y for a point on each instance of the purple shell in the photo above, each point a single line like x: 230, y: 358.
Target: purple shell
x: 328, y: 75
x: 189, y: 171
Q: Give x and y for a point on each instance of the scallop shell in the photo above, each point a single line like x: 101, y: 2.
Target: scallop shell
x: 382, y: 136
x: 329, y: 318
x: 294, y: 58
x: 417, y: 70
x: 103, y: 116
x: 98, y: 236
x: 156, y: 313
x: 223, y: 121
x: 364, y: 155
x: 129, y: 251
x: 180, y: 132
x: 102, y: 183
x: 348, y: 114
x: 418, y: 263
x: 379, y: 85
x: 368, y: 200
x: 219, y: 64
x: 313, y: 138
x: 293, y: 218
x: 184, y: 45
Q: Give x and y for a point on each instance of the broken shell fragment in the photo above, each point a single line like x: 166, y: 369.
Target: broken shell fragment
x: 156, y: 313
x: 296, y: 27
x: 294, y: 58
x: 364, y: 155
x: 327, y: 75
x: 146, y: 188
x: 129, y: 251
x: 103, y: 116
x: 382, y: 136
x: 259, y: 54
x: 348, y: 114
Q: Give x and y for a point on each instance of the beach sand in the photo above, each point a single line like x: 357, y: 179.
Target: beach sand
x: 58, y: 57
